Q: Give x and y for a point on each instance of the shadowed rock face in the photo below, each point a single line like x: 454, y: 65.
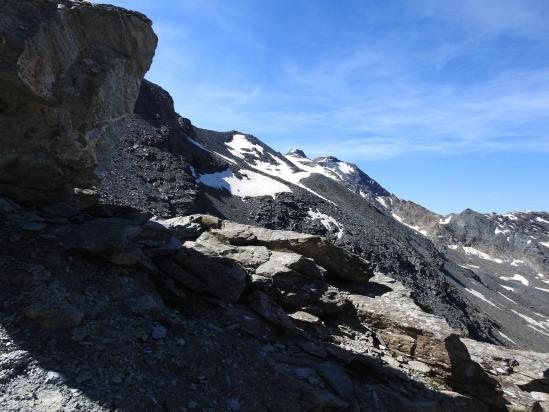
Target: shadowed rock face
x: 69, y: 76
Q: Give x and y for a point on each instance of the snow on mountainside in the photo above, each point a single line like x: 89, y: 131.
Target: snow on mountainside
x: 486, y: 274
x: 345, y: 173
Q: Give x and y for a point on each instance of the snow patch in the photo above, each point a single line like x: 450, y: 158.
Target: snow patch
x: 446, y: 220
x: 284, y: 171
x: 252, y: 184
x: 312, y: 167
x: 534, y: 324
x: 345, y: 167
x: 545, y: 290
x: 327, y: 221
x: 475, y: 252
x: 200, y: 145
x: 541, y: 220
x: 481, y: 297
x: 453, y: 247
x: 508, y: 298
x: 379, y: 199
x: 516, y: 262
x: 228, y: 159
x: 239, y: 146
x: 209, y: 151
x: 508, y: 288
x: 416, y: 228
x: 516, y: 277
x: 546, y: 244
x: 504, y: 336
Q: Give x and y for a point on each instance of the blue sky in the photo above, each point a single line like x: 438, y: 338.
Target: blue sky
x: 444, y: 102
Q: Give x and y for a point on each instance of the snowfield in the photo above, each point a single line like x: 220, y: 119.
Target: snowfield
x: 475, y: 252
x: 239, y: 146
x: 252, y: 184
x: 517, y: 278
x: 277, y: 167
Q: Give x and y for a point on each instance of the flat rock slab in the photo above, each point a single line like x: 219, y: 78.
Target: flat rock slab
x: 338, y: 262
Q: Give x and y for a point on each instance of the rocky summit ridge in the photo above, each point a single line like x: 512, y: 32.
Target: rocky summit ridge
x: 148, y: 264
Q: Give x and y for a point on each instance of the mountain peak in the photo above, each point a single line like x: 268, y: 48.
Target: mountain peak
x: 326, y: 159
x: 297, y: 153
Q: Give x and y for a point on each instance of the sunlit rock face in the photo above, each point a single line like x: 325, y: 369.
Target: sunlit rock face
x: 69, y: 76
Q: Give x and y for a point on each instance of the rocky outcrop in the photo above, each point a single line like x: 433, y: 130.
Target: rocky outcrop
x: 494, y: 374
x: 523, y: 375
x: 350, y: 345
x: 70, y: 72
x: 339, y: 263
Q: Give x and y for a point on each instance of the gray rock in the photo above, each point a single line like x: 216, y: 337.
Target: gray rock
x: 233, y: 404
x: 282, y: 260
x: 159, y: 332
x: 338, y: 262
x: 290, y: 271
x: 68, y: 81
x: 55, y: 378
x: 319, y: 399
x: 83, y: 377
x: 182, y: 227
x: 419, y: 366
x: 339, y: 381
x: 13, y: 362
x: 302, y: 373
x: 249, y: 257
x: 224, y: 278
x: 80, y: 333
x: 270, y: 310
x: 33, y: 226
x: 116, y: 380
x: 305, y: 317
x: 145, y: 304
x: 7, y: 206
x: 55, y: 316
x: 170, y: 247
x: 108, y: 238
x: 182, y: 276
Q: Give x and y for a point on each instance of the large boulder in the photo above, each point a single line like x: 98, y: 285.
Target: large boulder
x: 427, y: 339
x: 224, y: 278
x: 338, y: 262
x: 70, y: 73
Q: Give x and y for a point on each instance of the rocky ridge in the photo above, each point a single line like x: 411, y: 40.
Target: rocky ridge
x: 339, y: 342
x: 137, y: 302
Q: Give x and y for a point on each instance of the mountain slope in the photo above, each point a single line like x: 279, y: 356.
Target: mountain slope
x: 167, y: 166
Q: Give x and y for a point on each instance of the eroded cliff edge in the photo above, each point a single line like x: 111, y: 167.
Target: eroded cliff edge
x: 70, y: 72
